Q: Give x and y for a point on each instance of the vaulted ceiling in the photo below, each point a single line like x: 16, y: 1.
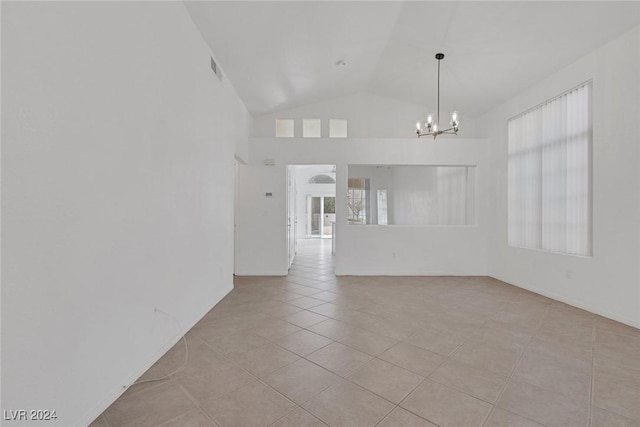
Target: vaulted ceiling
x: 285, y: 54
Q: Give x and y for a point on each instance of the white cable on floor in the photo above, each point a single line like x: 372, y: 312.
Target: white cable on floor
x: 186, y: 353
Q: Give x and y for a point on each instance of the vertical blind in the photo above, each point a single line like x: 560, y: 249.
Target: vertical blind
x: 454, y: 204
x: 549, y: 175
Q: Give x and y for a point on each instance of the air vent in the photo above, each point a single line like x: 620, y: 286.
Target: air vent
x: 216, y: 69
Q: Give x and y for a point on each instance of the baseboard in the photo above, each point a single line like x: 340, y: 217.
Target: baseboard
x: 262, y: 273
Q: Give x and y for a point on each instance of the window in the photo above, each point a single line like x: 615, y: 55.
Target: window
x: 382, y: 207
x: 311, y: 128
x: 549, y: 175
x: 321, y: 179
x: 357, y: 200
x: 284, y: 128
x: 337, y: 128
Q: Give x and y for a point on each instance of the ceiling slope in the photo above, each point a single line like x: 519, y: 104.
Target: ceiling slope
x: 281, y: 55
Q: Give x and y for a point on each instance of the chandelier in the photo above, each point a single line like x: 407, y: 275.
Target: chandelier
x: 431, y: 127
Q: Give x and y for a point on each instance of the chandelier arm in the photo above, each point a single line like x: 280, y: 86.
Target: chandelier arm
x: 447, y: 130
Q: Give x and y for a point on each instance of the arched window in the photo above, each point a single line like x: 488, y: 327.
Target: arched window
x: 322, y: 179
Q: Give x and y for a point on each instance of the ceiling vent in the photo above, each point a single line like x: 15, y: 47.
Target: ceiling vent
x: 216, y: 69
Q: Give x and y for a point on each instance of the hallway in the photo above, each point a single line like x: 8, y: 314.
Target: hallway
x: 313, y: 261
x: 313, y: 349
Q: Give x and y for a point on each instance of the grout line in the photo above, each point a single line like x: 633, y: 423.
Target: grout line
x: 294, y: 409
x: 195, y: 402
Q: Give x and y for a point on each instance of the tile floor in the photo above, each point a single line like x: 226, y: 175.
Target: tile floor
x: 313, y: 349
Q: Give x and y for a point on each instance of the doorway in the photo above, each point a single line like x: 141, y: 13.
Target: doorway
x: 321, y: 216
x: 311, y: 204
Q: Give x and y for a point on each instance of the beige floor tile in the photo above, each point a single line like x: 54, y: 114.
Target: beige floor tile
x: 619, y: 374
x: 501, y: 418
x: 502, y: 336
x: 303, y: 342
x: 235, y: 344
x: 622, y: 349
x: 150, y: 408
x: 386, y: 380
x: 569, y: 357
x: 542, y: 406
x: 209, y: 381
x: 454, y: 323
x: 332, y: 310
x: 402, y: 418
x: 582, y: 339
x: 396, y: 330
x: 545, y: 374
x: 482, y: 384
x: 266, y: 359
x: 367, y: 342
x: 326, y: 296
x: 299, y: 418
x: 488, y: 356
x: 299, y: 285
x: 414, y: 359
x: 609, y: 394
x: 331, y: 328
x: 195, y: 418
x: 280, y: 309
x: 143, y: 386
x: 445, y: 406
x: 253, y: 405
x: 272, y: 329
x: 346, y: 404
x: 305, y: 318
x: 306, y: 302
x: 285, y: 296
x: 608, y: 325
x: 339, y: 358
x: 602, y: 418
x: 210, y: 331
x: 301, y: 380
x: 99, y: 422
x: 440, y: 342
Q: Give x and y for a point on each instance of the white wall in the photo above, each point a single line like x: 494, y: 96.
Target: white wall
x: 368, y: 116
x: 117, y: 158
x: 609, y: 282
x: 366, y: 250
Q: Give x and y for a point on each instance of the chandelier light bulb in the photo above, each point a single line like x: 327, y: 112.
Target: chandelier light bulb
x: 435, y: 128
x: 418, y: 126
x: 454, y: 116
x: 430, y: 119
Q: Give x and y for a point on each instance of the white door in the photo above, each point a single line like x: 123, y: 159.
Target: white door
x: 291, y: 213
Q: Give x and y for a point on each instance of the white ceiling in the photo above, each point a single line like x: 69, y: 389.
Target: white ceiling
x: 283, y: 54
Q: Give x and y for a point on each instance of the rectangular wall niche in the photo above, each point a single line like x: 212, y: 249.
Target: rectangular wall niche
x: 337, y: 128
x: 411, y: 195
x: 311, y: 128
x: 284, y: 128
